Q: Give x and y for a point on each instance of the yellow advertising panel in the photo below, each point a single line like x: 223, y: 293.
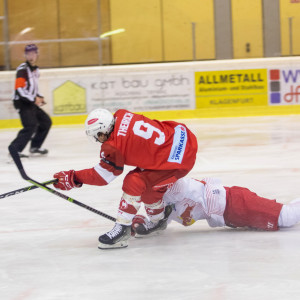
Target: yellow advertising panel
x: 231, y: 88
x: 69, y: 98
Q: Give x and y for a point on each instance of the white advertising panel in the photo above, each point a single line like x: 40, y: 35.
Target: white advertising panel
x: 132, y: 91
x: 284, y: 86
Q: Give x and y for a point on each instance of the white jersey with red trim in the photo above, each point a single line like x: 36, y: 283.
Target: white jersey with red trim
x: 195, y: 200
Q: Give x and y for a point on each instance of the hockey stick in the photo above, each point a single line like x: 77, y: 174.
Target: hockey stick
x: 25, y: 189
x: 14, y: 154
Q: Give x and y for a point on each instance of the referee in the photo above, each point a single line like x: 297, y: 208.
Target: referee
x: 27, y: 101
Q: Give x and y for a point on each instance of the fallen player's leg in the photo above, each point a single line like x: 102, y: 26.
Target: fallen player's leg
x: 290, y: 214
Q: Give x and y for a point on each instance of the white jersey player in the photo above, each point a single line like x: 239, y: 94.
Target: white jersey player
x: 196, y: 200
x: 208, y: 199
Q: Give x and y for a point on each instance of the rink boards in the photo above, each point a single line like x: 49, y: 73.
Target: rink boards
x: 207, y: 89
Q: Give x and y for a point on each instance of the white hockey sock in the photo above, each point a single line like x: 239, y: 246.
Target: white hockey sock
x: 290, y: 214
x: 128, y: 208
x: 155, y: 211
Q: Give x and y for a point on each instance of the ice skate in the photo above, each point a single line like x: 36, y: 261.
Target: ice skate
x: 21, y: 155
x: 148, y: 228
x: 116, y: 238
x: 38, y: 151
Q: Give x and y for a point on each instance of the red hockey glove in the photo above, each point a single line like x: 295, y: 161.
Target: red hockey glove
x: 66, y: 180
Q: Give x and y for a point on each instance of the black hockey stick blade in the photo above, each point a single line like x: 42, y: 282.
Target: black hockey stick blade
x: 14, y: 154
x: 25, y: 189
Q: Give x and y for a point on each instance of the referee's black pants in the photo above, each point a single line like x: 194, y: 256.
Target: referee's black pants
x: 36, y: 125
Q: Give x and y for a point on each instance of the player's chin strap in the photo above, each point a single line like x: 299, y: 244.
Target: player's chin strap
x: 14, y: 154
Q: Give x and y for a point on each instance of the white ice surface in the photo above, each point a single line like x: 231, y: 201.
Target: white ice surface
x: 48, y: 246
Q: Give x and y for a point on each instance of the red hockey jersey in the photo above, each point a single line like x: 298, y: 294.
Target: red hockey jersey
x: 148, y: 144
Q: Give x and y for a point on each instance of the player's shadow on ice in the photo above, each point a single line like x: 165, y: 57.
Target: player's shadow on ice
x: 225, y: 236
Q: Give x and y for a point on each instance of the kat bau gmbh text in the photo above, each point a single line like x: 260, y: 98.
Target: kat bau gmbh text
x: 231, y: 88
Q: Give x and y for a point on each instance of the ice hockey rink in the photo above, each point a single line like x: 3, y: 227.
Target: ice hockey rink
x: 48, y: 246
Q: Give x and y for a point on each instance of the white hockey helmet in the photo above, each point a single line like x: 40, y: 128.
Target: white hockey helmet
x: 99, y: 121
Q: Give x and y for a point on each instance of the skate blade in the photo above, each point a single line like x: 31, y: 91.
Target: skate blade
x: 11, y: 161
x: 118, y: 245
x: 154, y: 233
x: 38, y: 155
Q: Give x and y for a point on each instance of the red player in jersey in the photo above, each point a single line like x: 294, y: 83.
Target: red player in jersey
x: 162, y: 152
